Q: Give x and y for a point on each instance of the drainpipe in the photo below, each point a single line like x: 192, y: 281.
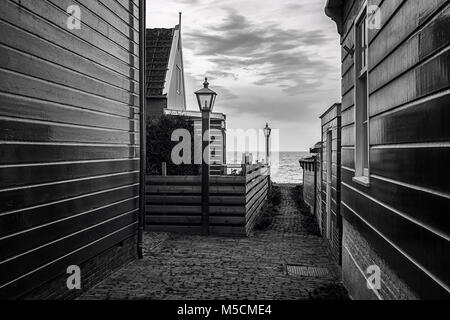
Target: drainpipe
x: 143, y: 126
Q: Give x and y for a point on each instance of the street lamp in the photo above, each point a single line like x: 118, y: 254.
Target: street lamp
x: 267, y: 132
x: 206, y: 99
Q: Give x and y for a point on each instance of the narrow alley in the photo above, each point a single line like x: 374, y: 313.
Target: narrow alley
x: 189, y: 267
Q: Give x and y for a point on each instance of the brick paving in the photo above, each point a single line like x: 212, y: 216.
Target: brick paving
x: 178, y: 266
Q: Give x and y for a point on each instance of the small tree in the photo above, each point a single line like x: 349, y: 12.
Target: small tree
x: 160, y: 145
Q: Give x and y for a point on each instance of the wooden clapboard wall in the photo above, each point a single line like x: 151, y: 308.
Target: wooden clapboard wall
x: 331, y: 127
x: 405, y: 213
x: 256, y: 192
x: 69, y: 136
x: 174, y: 202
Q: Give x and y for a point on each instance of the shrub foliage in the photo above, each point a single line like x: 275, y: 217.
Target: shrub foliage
x: 160, y: 145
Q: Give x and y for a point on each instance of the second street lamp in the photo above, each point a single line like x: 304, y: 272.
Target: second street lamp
x: 206, y: 99
x: 267, y: 132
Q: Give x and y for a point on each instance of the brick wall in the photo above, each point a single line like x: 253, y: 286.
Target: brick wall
x: 92, y: 272
x: 357, y: 256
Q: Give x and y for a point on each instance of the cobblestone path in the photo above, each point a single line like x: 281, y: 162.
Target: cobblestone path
x: 194, y: 267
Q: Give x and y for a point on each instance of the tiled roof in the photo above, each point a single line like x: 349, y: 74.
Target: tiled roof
x: 159, y: 44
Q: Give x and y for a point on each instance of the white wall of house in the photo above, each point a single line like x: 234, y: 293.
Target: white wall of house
x: 175, y: 86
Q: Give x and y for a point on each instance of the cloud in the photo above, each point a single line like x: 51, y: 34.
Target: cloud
x: 276, y: 56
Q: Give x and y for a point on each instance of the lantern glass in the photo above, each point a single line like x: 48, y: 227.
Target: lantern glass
x: 206, y: 98
x: 267, y: 131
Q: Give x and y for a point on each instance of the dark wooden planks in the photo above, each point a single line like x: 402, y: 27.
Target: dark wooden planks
x: 408, y: 98
x: 69, y: 137
x: 426, y: 79
x: 37, y: 174
x: 40, y: 276
x: 22, y: 220
x: 413, y: 275
x: 425, y: 121
x: 412, y: 239
x: 19, y: 130
x: 423, y: 167
x: 15, y: 199
x: 17, y: 153
x: 410, y: 16
x: 17, y: 243
x: 429, y: 40
x: 174, y: 202
x: 426, y: 208
x: 34, y: 109
x: 19, y: 39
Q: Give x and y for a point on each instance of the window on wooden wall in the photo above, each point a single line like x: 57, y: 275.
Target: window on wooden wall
x: 361, y: 99
x: 178, y: 80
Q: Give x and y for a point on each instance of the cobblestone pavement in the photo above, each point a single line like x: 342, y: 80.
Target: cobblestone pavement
x: 193, y: 267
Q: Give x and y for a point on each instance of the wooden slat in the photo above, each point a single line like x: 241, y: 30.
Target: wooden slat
x: 34, y: 109
x: 410, y: 16
x: 58, y: 17
x: 28, y: 43
x: 12, y: 130
x: 38, y: 174
x: 255, y: 193
x: 256, y: 173
x: 253, y: 215
x: 43, y: 90
x: 166, y: 180
x: 172, y: 199
x: 227, y: 210
x: 121, y: 24
x: 34, y: 153
x: 410, y: 272
x: 12, y: 269
x: 260, y: 192
x: 155, y: 219
x: 428, y: 168
x: 424, y: 122
x: 348, y: 116
x: 69, y: 139
x: 348, y: 158
x: 16, y: 199
x: 33, y: 217
x: 426, y: 208
x: 412, y: 239
x: 31, y: 66
x: 16, y: 289
x: 99, y: 25
x: 435, y: 36
x: 22, y: 18
x: 255, y: 182
x: 348, y: 136
x: 19, y: 243
x: 173, y: 209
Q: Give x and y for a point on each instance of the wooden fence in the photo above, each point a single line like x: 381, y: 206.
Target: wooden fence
x: 173, y: 203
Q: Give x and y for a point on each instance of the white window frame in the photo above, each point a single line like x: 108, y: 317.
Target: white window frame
x: 362, y: 174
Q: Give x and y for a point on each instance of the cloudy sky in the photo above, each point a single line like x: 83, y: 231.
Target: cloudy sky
x: 273, y: 61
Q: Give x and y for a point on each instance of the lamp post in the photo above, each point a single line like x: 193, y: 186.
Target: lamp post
x: 267, y: 132
x: 206, y: 99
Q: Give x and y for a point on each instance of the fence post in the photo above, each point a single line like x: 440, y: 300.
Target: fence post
x: 244, y: 169
x: 164, y: 169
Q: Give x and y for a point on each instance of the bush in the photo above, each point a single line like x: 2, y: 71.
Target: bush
x: 160, y: 145
x: 270, y: 209
x: 275, y: 195
x: 308, y: 222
